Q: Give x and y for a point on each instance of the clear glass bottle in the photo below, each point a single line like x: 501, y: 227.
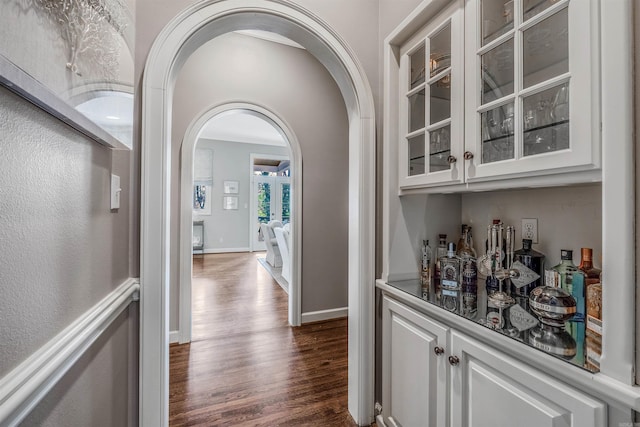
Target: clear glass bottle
x: 451, y: 266
x: 572, y: 280
x: 441, y: 251
x: 469, y: 274
x: 425, y: 270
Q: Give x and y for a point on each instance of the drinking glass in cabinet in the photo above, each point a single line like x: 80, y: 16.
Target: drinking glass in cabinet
x: 440, y: 100
x: 498, y: 134
x: 545, y: 49
x: 496, y: 18
x: 416, y: 155
x: 417, y: 67
x: 497, y: 72
x: 440, y: 55
x: 416, y: 111
x: 439, y: 149
x: 546, y: 121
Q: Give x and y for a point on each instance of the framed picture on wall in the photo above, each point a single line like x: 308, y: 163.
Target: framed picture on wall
x: 230, y: 203
x: 231, y: 187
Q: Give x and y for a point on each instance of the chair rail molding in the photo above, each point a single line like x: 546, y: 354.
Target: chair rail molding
x: 189, y: 30
x: 25, y: 386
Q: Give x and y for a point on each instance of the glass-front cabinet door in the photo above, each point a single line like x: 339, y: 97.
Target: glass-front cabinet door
x: 432, y: 112
x: 532, y: 105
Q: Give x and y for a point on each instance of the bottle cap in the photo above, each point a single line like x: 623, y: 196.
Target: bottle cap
x: 526, y: 244
x: 451, y: 248
x: 566, y: 254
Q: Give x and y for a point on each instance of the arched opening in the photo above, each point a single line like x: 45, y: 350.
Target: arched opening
x: 186, y: 213
x: 174, y: 45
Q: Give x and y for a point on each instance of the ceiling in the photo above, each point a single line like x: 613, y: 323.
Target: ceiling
x: 242, y: 126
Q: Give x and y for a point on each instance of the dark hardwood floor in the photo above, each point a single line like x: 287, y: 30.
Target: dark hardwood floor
x: 245, y: 366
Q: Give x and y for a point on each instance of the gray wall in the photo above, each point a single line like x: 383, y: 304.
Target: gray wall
x: 296, y: 87
x: 230, y: 229
x: 62, y: 251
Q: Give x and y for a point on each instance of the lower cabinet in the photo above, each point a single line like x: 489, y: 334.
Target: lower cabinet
x: 433, y: 376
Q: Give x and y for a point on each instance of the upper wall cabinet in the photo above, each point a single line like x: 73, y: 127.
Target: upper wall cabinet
x: 497, y: 89
x: 532, y: 106
x: 432, y: 99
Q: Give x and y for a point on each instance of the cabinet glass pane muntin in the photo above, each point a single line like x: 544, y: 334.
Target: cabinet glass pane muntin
x: 498, y: 133
x: 497, y: 72
x: 416, y: 111
x: 439, y: 148
x: 496, y: 18
x: 531, y: 8
x: 440, y: 100
x: 418, y: 67
x: 440, y: 51
x: 545, y: 49
x: 546, y: 121
x: 416, y: 155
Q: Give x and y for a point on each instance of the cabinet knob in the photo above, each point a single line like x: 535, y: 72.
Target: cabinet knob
x: 453, y: 360
x: 451, y: 159
x: 438, y: 350
x: 468, y: 155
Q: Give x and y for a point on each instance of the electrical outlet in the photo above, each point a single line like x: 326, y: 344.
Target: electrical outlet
x: 530, y: 229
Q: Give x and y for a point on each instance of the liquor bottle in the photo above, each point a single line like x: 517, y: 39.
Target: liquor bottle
x: 572, y: 281
x: 533, y: 260
x: 441, y: 251
x: 469, y: 276
x: 425, y: 271
x: 450, y: 266
x: 592, y: 274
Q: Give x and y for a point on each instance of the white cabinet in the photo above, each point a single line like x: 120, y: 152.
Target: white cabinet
x: 532, y: 103
x: 414, y: 368
x: 432, y: 98
x: 433, y: 375
x: 496, y: 89
x: 491, y: 389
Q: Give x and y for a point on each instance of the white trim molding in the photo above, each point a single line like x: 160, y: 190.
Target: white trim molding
x: 25, y: 386
x: 199, y: 23
x: 174, y: 337
x: 320, y: 315
x: 225, y: 250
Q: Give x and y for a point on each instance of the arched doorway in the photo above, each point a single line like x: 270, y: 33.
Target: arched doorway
x: 186, y: 213
x: 173, y: 46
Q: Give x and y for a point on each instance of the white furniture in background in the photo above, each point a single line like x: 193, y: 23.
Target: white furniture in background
x: 282, y: 237
x: 273, y: 252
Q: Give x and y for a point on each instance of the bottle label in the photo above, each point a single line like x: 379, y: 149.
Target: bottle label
x: 521, y: 319
x: 451, y: 284
x: 593, y: 357
x: 526, y: 275
x: 594, y: 324
x: 560, y: 351
x: 552, y: 308
x: 494, y: 320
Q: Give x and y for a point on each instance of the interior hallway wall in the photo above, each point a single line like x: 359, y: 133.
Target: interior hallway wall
x: 62, y: 251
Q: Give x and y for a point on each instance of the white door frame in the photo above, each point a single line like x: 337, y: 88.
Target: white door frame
x: 187, y: 152
x: 188, y: 31
x: 252, y: 225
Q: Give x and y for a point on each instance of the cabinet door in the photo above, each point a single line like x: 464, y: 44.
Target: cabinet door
x: 414, y: 376
x: 492, y: 389
x: 532, y: 84
x: 432, y: 98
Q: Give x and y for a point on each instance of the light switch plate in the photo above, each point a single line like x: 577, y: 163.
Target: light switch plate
x: 115, y: 191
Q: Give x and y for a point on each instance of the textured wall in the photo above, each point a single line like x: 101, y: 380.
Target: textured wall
x: 62, y: 249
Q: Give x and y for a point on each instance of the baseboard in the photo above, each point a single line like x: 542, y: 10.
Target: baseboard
x: 174, y: 337
x: 225, y: 250
x: 316, y: 316
x: 28, y: 383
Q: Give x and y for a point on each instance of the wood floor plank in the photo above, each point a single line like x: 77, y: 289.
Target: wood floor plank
x: 245, y: 365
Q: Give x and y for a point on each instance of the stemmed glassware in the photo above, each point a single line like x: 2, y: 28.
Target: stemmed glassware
x: 494, y: 258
